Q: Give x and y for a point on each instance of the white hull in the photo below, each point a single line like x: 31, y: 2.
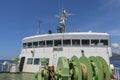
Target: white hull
x: 68, y: 52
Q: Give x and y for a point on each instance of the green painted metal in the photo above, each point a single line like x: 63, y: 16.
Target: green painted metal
x: 84, y: 60
x: 38, y: 76
x: 15, y: 59
x: 97, y: 68
x: 105, y: 68
x: 44, y: 61
x: 46, y: 77
x: 45, y: 74
x: 75, y: 67
x: 62, y: 70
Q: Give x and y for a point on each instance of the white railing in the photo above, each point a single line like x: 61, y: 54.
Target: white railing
x: 1, y: 66
x: 117, y: 73
x: 5, y: 67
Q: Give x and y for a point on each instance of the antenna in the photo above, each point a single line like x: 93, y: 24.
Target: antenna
x: 63, y: 18
x: 39, y: 26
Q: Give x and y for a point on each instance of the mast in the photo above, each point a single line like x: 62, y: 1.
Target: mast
x: 63, y: 18
x: 39, y: 26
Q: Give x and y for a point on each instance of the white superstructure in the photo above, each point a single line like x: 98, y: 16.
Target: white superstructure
x: 51, y: 46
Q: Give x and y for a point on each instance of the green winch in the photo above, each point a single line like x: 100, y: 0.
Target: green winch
x: 83, y: 68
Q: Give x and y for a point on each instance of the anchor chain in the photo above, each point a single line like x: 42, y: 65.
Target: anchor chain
x: 51, y: 73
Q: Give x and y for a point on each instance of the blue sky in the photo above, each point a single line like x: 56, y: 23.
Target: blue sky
x: 18, y: 19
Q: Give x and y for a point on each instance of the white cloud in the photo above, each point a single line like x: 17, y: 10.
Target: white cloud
x: 116, y: 48
x: 115, y: 45
x: 109, y: 4
x: 115, y: 32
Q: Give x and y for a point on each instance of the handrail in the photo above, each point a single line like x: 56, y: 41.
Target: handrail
x: 117, y: 73
x: 1, y: 65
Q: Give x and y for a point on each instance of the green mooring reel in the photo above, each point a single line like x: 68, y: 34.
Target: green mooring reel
x: 62, y: 71
x: 105, y: 68
x: 97, y: 68
x: 85, y: 61
x: 75, y: 68
x: 92, y: 68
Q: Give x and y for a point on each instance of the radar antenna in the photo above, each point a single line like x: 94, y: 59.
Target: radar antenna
x: 63, y: 18
x: 39, y: 25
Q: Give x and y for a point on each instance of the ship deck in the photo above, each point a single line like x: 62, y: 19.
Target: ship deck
x: 30, y: 76
x: 18, y: 76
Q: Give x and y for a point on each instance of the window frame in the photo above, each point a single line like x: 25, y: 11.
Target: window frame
x: 28, y: 61
x: 35, y: 45
x: 103, y: 41
x: 37, y: 62
x: 58, y: 42
x: 85, y: 43
x: 76, y: 42
x: 24, y: 45
x: 68, y: 44
x: 49, y: 43
x: 29, y: 44
x: 41, y: 44
x: 95, y: 42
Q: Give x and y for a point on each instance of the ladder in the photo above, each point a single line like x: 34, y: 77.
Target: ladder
x: 54, y: 59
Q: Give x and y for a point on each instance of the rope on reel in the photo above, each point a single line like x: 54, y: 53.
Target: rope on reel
x: 92, y: 68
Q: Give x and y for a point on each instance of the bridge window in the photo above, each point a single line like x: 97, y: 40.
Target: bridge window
x: 30, y: 61
x: 66, y: 42
x: 24, y: 45
x: 104, y: 42
x: 29, y: 45
x: 35, y: 44
x: 76, y: 42
x: 57, y: 42
x: 49, y: 43
x: 36, y: 61
x: 42, y: 43
x: 94, y: 42
x: 85, y: 42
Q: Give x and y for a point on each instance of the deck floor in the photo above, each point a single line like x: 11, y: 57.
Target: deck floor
x: 19, y: 76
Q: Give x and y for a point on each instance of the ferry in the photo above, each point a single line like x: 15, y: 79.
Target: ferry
x: 66, y: 55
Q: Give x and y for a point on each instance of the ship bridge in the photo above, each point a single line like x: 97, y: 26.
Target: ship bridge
x: 62, y: 39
